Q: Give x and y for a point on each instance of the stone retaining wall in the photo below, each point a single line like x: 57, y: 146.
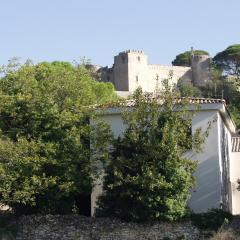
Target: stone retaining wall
x: 75, y: 227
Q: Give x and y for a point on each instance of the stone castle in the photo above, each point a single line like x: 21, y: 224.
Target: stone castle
x: 132, y: 70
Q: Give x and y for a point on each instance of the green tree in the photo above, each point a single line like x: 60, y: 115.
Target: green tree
x: 229, y: 61
x: 148, y: 177
x: 188, y: 90
x: 223, y: 87
x: 184, y: 59
x: 219, y: 87
x: 44, y: 135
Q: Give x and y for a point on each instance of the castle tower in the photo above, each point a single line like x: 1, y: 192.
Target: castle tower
x: 200, y: 65
x: 129, y: 70
x: 120, y: 72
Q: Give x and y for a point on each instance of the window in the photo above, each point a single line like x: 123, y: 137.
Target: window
x: 138, y: 58
x: 137, y: 79
x: 157, y: 82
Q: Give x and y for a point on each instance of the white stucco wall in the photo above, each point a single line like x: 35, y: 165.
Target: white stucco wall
x: 207, y: 192
x: 234, y: 176
x: 117, y: 127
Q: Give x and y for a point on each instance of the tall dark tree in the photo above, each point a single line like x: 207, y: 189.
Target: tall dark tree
x: 229, y: 61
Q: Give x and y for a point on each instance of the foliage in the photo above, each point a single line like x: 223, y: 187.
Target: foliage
x: 8, y: 226
x: 229, y: 61
x: 227, y: 85
x: 148, y: 178
x: 227, y: 90
x: 184, y: 59
x: 219, y: 87
x: 44, y: 135
x: 188, y: 90
x: 235, y: 114
x: 212, y: 220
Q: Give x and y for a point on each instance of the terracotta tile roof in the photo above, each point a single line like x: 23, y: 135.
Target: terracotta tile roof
x: 206, y: 100
x: 131, y: 103
x: 236, y: 144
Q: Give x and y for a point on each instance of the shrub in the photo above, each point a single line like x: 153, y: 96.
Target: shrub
x: 8, y: 227
x: 212, y: 220
x: 148, y: 178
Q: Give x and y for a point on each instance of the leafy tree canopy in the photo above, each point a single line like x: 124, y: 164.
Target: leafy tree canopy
x: 229, y: 60
x: 188, y: 90
x: 184, y: 59
x: 44, y: 134
x: 219, y: 87
x: 148, y: 177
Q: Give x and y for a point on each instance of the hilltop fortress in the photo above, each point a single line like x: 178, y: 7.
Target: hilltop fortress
x: 131, y: 70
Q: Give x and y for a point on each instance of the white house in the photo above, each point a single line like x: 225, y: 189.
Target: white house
x: 218, y: 164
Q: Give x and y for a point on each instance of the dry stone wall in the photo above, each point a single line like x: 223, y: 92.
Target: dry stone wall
x: 75, y: 227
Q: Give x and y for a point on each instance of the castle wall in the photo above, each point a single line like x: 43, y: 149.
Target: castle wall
x: 159, y: 73
x: 138, y: 74
x: 151, y: 77
x: 131, y: 70
x: 120, y: 72
x: 201, y: 70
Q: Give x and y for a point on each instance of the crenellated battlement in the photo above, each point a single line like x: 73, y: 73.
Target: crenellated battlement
x: 200, y: 57
x: 132, y: 51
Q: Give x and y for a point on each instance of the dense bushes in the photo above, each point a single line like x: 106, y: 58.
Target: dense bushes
x: 44, y: 135
x: 148, y: 178
x: 213, y: 219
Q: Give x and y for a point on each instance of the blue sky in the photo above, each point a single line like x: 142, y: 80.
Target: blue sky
x: 47, y: 30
